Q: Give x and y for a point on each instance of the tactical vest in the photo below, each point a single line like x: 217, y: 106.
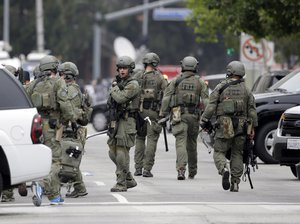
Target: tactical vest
x: 151, y: 86
x: 233, y: 100
x: 187, y: 93
x: 43, y: 96
x: 151, y: 90
x: 75, y: 95
x: 133, y: 104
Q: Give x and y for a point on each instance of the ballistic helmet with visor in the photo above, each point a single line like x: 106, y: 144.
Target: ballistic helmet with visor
x: 189, y: 63
x: 235, y: 68
x: 68, y: 68
x: 152, y: 59
x: 49, y: 62
x: 125, y: 62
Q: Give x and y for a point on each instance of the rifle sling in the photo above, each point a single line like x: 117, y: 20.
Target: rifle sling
x: 229, y: 84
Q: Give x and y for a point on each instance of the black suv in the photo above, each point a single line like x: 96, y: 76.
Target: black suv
x: 270, y: 106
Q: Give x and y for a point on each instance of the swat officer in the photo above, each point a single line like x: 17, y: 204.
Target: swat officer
x: 152, y: 85
x: 74, y: 132
x: 123, y: 105
x: 183, y: 96
x: 234, y: 106
x: 49, y: 95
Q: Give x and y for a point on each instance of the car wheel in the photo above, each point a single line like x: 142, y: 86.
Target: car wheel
x: 264, y: 142
x: 293, y: 169
x: 99, y: 121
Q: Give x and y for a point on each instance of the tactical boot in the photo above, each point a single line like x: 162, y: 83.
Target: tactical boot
x: 234, y: 187
x: 181, y: 175
x: 22, y: 190
x: 76, y: 194
x: 225, y: 179
x: 118, y: 188
x: 121, y: 185
x: 130, y: 181
x: 138, y: 172
x: 147, y: 173
x: 192, y: 174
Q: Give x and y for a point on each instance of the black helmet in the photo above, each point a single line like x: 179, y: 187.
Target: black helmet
x: 189, y: 63
x: 152, y: 59
x: 235, y: 68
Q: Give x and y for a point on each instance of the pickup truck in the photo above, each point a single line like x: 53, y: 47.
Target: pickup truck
x: 270, y: 106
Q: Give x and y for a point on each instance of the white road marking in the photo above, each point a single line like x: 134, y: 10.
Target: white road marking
x: 120, y: 198
x: 99, y: 183
x: 123, y: 200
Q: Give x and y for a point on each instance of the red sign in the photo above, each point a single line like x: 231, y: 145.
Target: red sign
x: 170, y: 70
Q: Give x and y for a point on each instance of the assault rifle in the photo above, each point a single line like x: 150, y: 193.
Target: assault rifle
x: 163, y: 123
x: 249, y: 158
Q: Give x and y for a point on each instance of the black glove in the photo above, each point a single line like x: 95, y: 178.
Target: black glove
x: 52, y: 123
x: 74, y: 126
x: 206, y: 125
x: 118, y: 78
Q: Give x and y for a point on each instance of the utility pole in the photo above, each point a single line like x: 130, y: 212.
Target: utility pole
x: 6, y: 24
x: 40, y: 26
x: 114, y: 16
x: 145, y: 21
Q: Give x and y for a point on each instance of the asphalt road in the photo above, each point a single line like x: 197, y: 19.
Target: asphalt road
x: 163, y: 199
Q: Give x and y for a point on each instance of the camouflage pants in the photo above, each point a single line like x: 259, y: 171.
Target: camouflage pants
x: 9, y: 193
x: 186, y: 133
x: 120, y: 157
x: 78, y: 182
x: 144, y: 156
x: 51, y: 184
x: 221, y: 147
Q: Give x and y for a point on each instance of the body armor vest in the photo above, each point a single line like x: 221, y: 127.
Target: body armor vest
x: 233, y: 100
x: 187, y: 93
x: 133, y: 104
x: 151, y: 86
x: 75, y: 95
x: 43, y: 96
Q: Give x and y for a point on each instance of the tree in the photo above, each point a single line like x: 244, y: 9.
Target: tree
x: 277, y: 20
x: 259, y: 18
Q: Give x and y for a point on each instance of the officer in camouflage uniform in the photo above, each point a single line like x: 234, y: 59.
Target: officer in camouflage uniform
x: 234, y: 106
x: 123, y: 106
x: 75, y: 132
x: 152, y: 84
x: 49, y: 95
x: 183, y: 96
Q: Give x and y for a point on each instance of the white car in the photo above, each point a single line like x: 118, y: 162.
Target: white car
x: 23, y: 157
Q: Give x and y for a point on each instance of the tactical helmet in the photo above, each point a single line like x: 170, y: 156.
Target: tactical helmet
x: 189, y: 63
x: 48, y: 62
x: 11, y: 69
x: 235, y: 68
x: 68, y: 68
x: 151, y: 58
x: 125, y: 61
x: 36, y: 71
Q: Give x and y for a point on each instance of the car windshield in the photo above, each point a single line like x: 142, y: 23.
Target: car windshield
x: 290, y: 83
